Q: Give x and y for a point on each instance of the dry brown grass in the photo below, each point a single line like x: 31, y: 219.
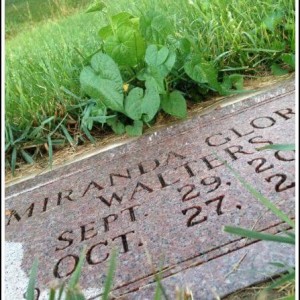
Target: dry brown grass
x: 258, y: 292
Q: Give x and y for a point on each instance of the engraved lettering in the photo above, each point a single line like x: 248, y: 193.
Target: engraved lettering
x: 209, y: 164
x: 284, y: 113
x: 84, y: 231
x: 163, y: 182
x: 89, y: 254
x: 262, y: 161
x: 111, y: 176
x: 189, y: 170
x: 171, y: 156
x: 107, y: 221
x: 232, y: 150
x: 281, y: 157
x: 219, y: 199
x: 260, y: 123
x: 65, y: 239
x: 140, y: 186
x: 240, y: 134
x: 92, y: 184
x: 60, y: 197
x: 142, y: 169
x: 263, y: 141
x: 124, y: 240
x: 16, y: 215
x: 37, y: 294
x: 45, y: 204
x: 191, y: 188
x: 278, y: 186
x: 190, y: 221
x: 131, y: 212
x: 113, y: 196
x: 74, y: 261
x: 215, y: 142
x: 215, y: 180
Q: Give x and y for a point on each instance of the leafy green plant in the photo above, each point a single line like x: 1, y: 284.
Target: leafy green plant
x: 287, y: 237
x: 166, y: 53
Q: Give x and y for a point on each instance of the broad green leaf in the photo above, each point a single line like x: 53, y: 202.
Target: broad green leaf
x: 184, y: 46
x: 237, y: 81
x: 116, y: 125
x: 155, y: 81
x: 126, y: 47
x: 281, y: 147
x: 32, y: 281
x: 106, y: 68
x: 133, y: 103
x: 139, y: 103
x: 155, y: 27
x: 150, y: 104
x: 105, y: 32
x: 136, y: 129
x: 122, y: 18
x: 202, y: 71
x: 96, y: 6
x: 162, y: 60
x: 103, y: 81
x: 289, y: 59
x: 155, y: 57
x: 271, y: 21
x: 277, y: 70
x: 258, y: 235
x: 174, y: 104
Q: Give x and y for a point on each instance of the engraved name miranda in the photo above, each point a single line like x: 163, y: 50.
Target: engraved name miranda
x: 155, y: 174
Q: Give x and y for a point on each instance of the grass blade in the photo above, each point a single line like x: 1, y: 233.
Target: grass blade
x: 110, y: 275
x: 67, y: 135
x: 32, y: 280
x: 76, y: 274
x: 23, y: 135
x: 258, y: 235
x: 50, y: 150
x: 282, y: 147
x: 70, y: 93
x: 13, y: 160
x: 60, y: 292
x: 27, y: 157
x: 266, y: 202
x: 47, y: 121
x: 52, y: 294
x: 87, y: 133
x: 288, y: 298
x: 282, y: 280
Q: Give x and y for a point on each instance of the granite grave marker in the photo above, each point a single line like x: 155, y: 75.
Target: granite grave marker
x: 161, y: 201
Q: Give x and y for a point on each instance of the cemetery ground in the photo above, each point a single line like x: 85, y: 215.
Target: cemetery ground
x: 47, y: 51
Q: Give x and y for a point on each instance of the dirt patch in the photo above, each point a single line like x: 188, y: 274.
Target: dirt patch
x: 258, y: 292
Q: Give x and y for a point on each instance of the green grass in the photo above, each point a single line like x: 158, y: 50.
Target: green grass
x: 46, y: 47
x: 23, y: 14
